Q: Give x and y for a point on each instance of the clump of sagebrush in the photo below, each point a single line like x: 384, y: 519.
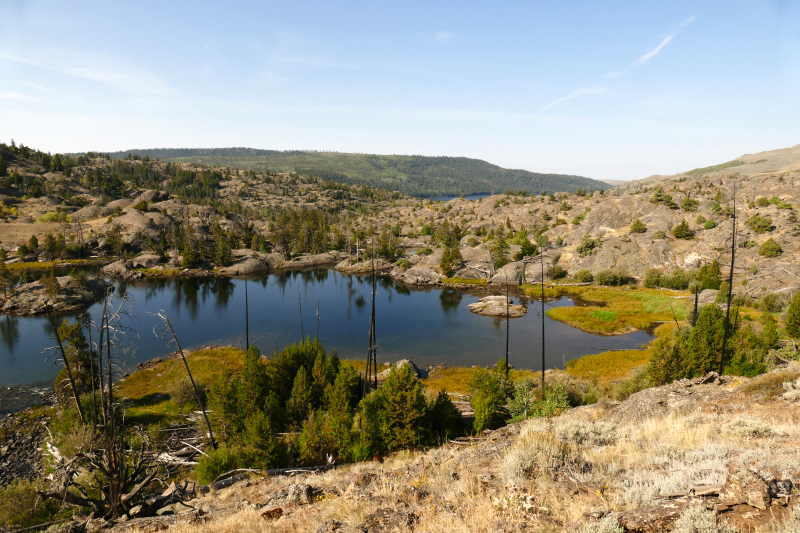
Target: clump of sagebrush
x: 587, y: 433
x: 539, y: 454
x: 748, y: 428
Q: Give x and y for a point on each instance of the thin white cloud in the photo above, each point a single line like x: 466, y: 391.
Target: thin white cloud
x: 99, y: 68
x: 579, y: 92
x: 444, y: 37
x: 18, y: 97
x: 652, y: 53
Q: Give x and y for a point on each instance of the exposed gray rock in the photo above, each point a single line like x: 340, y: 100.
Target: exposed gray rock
x: 33, y: 299
x: 312, y: 260
x: 244, y: 266
x: 145, y: 261
x: 419, y: 373
x: 510, y: 274
x: 416, y: 275
x: 496, y: 306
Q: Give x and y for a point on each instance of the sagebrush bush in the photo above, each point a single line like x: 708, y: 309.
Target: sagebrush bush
x: 587, y: 433
x: 607, y: 524
x: 748, y: 428
x: 539, y: 454
x: 527, y: 400
x: 697, y: 519
x: 584, y: 276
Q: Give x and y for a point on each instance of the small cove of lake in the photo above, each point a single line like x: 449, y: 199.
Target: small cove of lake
x: 428, y: 326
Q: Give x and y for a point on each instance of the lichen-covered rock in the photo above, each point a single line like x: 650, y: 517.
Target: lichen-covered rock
x: 498, y: 306
x: 387, y: 521
x: 245, y: 266
x: 744, y: 486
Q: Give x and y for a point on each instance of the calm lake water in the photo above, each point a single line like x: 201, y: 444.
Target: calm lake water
x: 427, y: 326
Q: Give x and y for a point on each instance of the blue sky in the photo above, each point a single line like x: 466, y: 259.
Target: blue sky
x: 609, y: 90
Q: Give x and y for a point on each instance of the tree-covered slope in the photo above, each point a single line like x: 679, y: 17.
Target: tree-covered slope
x: 410, y: 174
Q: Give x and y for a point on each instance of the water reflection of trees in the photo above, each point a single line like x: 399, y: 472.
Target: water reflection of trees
x: 450, y: 300
x: 9, y: 333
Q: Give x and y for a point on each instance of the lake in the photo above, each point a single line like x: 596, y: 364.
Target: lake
x: 428, y: 326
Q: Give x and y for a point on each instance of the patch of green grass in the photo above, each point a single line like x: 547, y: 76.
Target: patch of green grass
x: 466, y: 281
x: 634, y: 309
x: 148, y: 390
x: 605, y: 316
x: 48, y: 265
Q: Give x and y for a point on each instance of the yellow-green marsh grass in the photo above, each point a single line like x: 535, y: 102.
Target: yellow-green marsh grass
x: 607, y: 367
x: 48, y: 265
x: 620, y: 310
x: 456, y: 379
x: 464, y: 281
x: 148, y: 389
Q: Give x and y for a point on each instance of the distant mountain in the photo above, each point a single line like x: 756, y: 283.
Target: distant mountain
x: 411, y: 174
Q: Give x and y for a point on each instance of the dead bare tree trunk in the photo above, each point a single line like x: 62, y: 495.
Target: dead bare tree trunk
x: 75, y: 391
x: 168, y: 325
x: 730, y: 288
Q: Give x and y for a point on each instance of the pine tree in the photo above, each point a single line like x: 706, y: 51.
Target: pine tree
x: 222, y: 253
x: 793, y: 318
x: 300, y: 402
x: 638, y: 226
x: 705, y: 342
x: 682, y: 231
x: 406, y: 410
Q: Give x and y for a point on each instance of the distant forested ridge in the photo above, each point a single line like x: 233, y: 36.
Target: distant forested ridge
x: 410, y: 174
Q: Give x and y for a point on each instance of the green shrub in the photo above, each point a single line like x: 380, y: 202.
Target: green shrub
x: 762, y: 202
x: 584, y: 276
x: 660, y: 235
x: 403, y: 264
x: 760, y: 224
x: 793, y: 318
x: 588, y: 246
x: 710, y: 276
x: 214, y: 463
x: 488, y: 390
x: 445, y: 418
x: 704, y: 346
x: 770, y: 248
x: 612, y: 278
x: 660, y: 197
x: 426, y: 251
x: 682, y: 231
x: 700, y: 219
x: 527, y: 401
x: 709, y: 224
x: 638, y: 226
x: 689, y: 204
x: 21, y: 506
x: 556, y: 272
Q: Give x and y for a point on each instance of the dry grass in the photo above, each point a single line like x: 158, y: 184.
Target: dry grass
x: 545, y: 479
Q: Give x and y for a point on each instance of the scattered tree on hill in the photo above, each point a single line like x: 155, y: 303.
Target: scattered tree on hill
x: 638, y: 226
x: 683, y: 231
x: 3, y: 167
x: 451, y: 260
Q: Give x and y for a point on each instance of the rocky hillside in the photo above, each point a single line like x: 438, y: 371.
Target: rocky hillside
x: 140, y: 202
x: 710, y: 454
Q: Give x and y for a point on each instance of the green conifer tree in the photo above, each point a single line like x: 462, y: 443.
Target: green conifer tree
x: 705, y: 342
x: 793, y: 318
